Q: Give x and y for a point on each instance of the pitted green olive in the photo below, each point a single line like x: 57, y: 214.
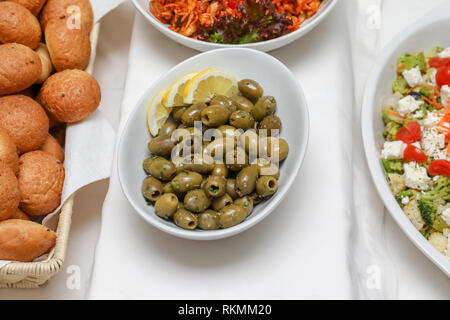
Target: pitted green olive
x: 220, y: 170
x: 152, y: 188
x: 242, y: 103
x: 236, y: 159
x: 192, y: 114
x: 208, y: 220
x: 266, y: 168
x: 200, y: 163
x: 186, y: 181
x: 266, y: 186
x: 215, y: 186
x: 264, y: 107
x: 167, y: 129
x: 250, y: 140
x: 221, y: 202
x: 161, y: 146
x: 247, y: 203
x: 274, y: 148
x: 231, y: 215
x: 160, y: 168
x: 185, y: 219
x: 230, y: 188
x: 272, y: 124
x: 246, y: 180
x: 242, y: 119
x: 166, y: 205
x: 177, y: 113
x: 224, y: 101
x: 227, y: 131
x: 214, y: 116
x: 196, y: 201
x: 250, y: 88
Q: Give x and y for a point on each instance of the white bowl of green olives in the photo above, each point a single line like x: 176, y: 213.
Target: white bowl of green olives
x: 228, y: 188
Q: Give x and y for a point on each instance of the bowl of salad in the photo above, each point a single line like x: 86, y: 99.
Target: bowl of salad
x: 406, y: 133
x: 258, y: 24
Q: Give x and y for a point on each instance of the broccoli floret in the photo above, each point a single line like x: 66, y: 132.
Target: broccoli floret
x: 441, y: 190
x: 433, y: 52
x: 216, y: 38
x: 390, y: 131
x: 392, y: 166
x: 411, y: 60
x: 428, y: 210
x: 401, y: 86
x: 407, y: 193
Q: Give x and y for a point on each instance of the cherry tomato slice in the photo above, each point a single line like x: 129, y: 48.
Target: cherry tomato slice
x: 437, y: 62
x: 439, y: 168
x: 413, y: 153
x: 410, y: 133
x: 443, y: 76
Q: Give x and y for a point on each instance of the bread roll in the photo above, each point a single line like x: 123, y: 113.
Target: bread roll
x: 9, y: 192
x: 47, y: 66
x: 52, y: 146
x: 41, y: 179
x: 25, y: 121
x: 68, y: 48
x: 70, y: 96
x: 78, y: 13
x: 19, y: 214
x: 8, y: 151
x: 18, y: 25
x: 34, y: 6
x: 22, y: 240
x: 20, y: 67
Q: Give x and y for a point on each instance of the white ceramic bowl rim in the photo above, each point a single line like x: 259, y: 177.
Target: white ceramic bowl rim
x: 372, y: 154
x: 307, y: 26
x: 271, y: 205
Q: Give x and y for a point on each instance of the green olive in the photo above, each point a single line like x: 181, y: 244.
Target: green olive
x: 250, y: 88
x: 246, y: 180
x: 185, y: 219
x: 196, y: 201
x: 250, y: 140
x: 208, y: 220
x: 245, y: 202
x: 243, y: 103
x: 228, y: 131
x: 264, y: 107
x: 266, y: 168
x: 152, y: 188
x: 221, y: 202
x: 192, y: 114
x: 230, y: 188
x: 147, y: 162
x: 276, y: 148
x: 161, y: 146
x: 215, y: 186
x: 242, y: 119
x: 201, y: 163
x: 266, y: 186
x: 161, y: 168
x: 177, y: 113
x: 269, y: 123
x: 167, y: 129
x: 257, y: 199
x: 166, y: 205
x: 236, y: 159
x: 231, y: 215
x: 214, y: 116
x: 224, y: 101
x: 186, y: 181
x: 220, y: 170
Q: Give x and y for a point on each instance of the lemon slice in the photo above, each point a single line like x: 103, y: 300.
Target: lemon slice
x: 157, y: 114
x: 174, y: 95
x: 207, y: 83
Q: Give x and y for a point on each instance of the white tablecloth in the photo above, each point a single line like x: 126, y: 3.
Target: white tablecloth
x: 327, y: 239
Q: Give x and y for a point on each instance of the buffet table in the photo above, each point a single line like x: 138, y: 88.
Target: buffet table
x: 329, y: 239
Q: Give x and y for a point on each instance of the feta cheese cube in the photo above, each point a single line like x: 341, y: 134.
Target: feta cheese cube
x: 393, y: 150
x: 413, y: 77
x: 445, y: 53
x: 432, y: 143
x: 405, y: 200
x: 407, y: 105
x: 446, y: 216
x: 416, y: 177
x: 445, y: 95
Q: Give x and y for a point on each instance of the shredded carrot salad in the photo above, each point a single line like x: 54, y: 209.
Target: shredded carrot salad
x: 215, y: 20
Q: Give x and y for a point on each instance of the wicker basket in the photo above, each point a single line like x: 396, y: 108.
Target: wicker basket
x: 35, y: 274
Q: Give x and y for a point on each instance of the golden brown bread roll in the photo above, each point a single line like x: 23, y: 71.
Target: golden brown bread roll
x: 70, y: 95
x: 19, y: 214
x: 68, y: 48
x: 9, y: 192
x: 25, y: 121
x: 20, y: 67
x: 22, y: 240
x: 41, y: 179
x: 47, y: 66
x: 52, y: 146
x: 8, y: 151
x: 18, y: 25
x: 77, y: 12
x: 34, y: 6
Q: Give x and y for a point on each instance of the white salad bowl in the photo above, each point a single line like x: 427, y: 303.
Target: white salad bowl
x: 274, y: 77
x: 308, y: 25
x: 423, y: 35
